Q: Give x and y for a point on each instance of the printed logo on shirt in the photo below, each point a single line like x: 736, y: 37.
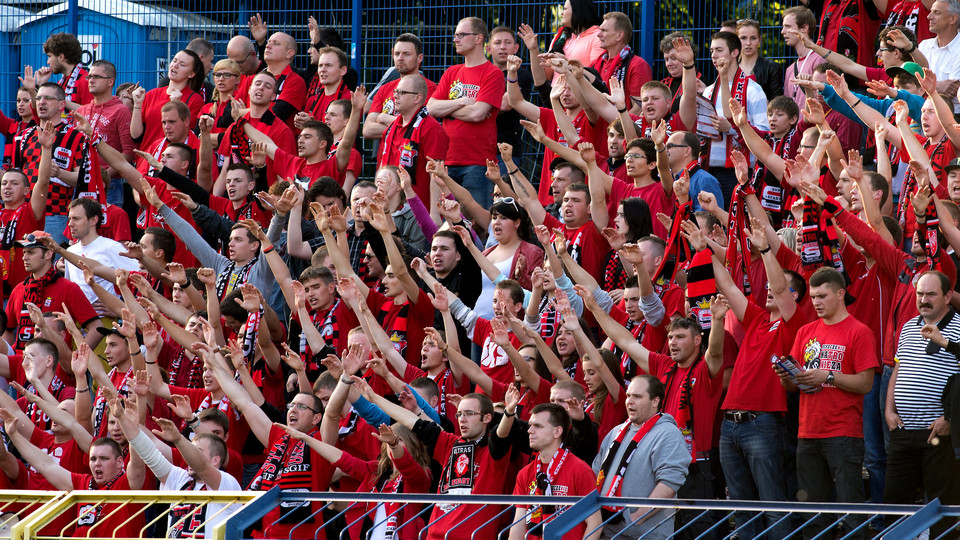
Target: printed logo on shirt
x: 462, y: 463
x: 811, y: 354
x: 61, y: 156
x: 388, y: 106
x: 399, y: 342
x: 458, y: 90
x: 774, y: 327
x: 407, y: 155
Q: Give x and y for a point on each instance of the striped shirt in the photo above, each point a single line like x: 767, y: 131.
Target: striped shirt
x: 921, y: 376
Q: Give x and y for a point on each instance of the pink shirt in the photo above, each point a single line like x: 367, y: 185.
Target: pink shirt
x: 584, y: 46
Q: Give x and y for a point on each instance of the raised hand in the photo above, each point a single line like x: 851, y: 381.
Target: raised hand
x: 739, y: 113
x: 439, y: 298
x: 47, y: 134
x: 506, y: 152
x: 588, y: 153
x: 387, y: 435
x: 180, y: 406
x: 683, y: 51
x: 168, y: 430
x: 853, y: 165
x: 450, y: 209
x: 740, y: 166
x: 535, y: 129
x: 258, y: 28
x: 903, y: 113
x: 150, y: 193
x: 500, y: 332
x: 658, y: 132
x: 757, y: 234
x: 258, y: 154
x: 814, y: 112
x: 880, y: 89
x: 251, y: 300
x: 513, y: 64
x: 528, y: 36
x: 708, y: 201
x: 692, y: 233
x: 719, y: 307
x: 928, y: 81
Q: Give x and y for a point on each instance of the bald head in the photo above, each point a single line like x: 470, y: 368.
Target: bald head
x: 242, y: 51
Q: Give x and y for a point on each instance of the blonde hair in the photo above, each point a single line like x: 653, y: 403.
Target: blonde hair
x: 225, y: 65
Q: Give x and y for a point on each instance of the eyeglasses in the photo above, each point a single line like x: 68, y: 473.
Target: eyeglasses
x: 674, y: 145
x: 460, y: 35
x: 48, y: 98
x: 223, y: 75
x: 882, y: 49
x: 468, y: 414
x: 368, y: 256
x: 97, y: 77
x: 751, y: 21
x: 302, y: 407
x: 633, y: 156
x: 397, y: 92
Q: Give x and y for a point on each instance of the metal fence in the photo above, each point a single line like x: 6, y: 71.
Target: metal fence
x: 140, y: 37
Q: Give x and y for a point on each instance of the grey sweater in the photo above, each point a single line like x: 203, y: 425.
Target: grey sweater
x: 661, y: 456
x: 260, y: 275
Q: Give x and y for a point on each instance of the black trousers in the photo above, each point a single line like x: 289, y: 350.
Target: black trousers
x: 916, y: 468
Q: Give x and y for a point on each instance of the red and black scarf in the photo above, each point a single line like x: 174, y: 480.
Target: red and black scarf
x: 819, y: 243
x: 409, y: 145
x: 678, y: 251
x: 88, y: 515
x: 701, y: 287
x: 460, y: 470
x: 771, y: 191
x: 288, y: 466
x: 397, y: 330
x: 231, y: 278
x: 33, y: 292
x: 616, y: 481
x: 616, y: 68
x: 736, y: 236
x: 738, y: 91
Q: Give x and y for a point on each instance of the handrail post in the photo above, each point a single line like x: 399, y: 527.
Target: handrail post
x: 920, y: 521
x: 356, y: 42
x: 571, y: 517
x: 647, y: 30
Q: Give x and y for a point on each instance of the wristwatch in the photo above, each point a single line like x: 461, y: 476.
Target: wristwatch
x: 830, y: 377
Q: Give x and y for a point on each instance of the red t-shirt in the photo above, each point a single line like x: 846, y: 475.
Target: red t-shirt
x: 528, y: 398
x: 269, y: 125
x: 483, y: 83
x: 320, y: 471
x: 23, y: 222
x: 754, y: 386
x: 832, y: 412
x: 704, y: 395
x: 404, y: 323
x: 383, y: 99
x: 111, y: 122
x: 53, y: 297
x: 116, y: 224
x: 250, y: 209
x: 153, y: 102
x: 487, y: 479
x: 447, y: 385
x: 151, y: 217
x: 121, y: 523
x: 912, y: 14
x: 409, y: 147
x: 288, y: 165
x: 354, y: 163
x: 291, y: 89
x: 586, y: 245
x: 334, y: 323
x: 574, y: 479
x: 66, y: 454
x: 317, y: 104
x: 591, y: 133
x: 156, y: 148
x: 638, y: 73
x: 493, y: 359
x: 652, y: 194
x: 612, y: 415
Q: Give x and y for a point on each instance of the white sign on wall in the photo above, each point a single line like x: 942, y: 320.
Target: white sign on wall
x: 92, y: 45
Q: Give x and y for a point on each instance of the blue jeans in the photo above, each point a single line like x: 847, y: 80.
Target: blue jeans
x: 115, y: 192
x: 474, y: 178
x: 54, y: 226
x: 751, y: 454
x: 874, y: 454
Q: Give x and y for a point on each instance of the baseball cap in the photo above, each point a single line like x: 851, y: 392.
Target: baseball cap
x: 32, y: 240
x: 953, y: 165
x: 912, y: 68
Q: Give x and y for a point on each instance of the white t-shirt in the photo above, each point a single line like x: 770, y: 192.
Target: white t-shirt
x: 756, y: 115
x: 179, y: 480
x: 107, y: 252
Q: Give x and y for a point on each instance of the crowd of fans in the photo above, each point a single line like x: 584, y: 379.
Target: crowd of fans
x: 741, y: 288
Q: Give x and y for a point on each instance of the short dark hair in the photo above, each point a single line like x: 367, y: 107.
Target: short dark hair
x: 685, y: 323
x: 324, y: 133
x: 326, y: 381
x: 66, y: 44
x: 317, y: 271
x: 327, y: 187
x: 504, y: 30
x: 478, y: 26
x: 514, y: 288
x: 426, y: 387
x: 215, y: 415
x: 163, y: 239
x: 732, y: 40
x: 575, y: 388
x: 57, y: 89
x: 827, y: 275
x: 200, y: 46
x: 797, y: 283
x: 559, y: 417
x: 577, y: 172
x: 407, y: 37
x: 785, y: 104
x: 878, y: 182
x: 218, y: 448
x: 107, y: 441
x: 646, y: 146
x: 107, y: 66
x: 486, y: 406
x: 46, y: 346
x: 893, y: 227
x: 581, y: 187
x: 655, y: 389
x: 240, y: 166
x: 91, y: 208
x: 945, y: 286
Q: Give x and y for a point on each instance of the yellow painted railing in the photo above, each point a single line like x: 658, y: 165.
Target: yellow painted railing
x: 131, y: 504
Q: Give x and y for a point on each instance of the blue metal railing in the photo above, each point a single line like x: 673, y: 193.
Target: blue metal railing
x: 707, y: 518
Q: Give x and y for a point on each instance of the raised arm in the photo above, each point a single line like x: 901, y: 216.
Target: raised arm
x: 514, y: 95
x: 615, y: 331
x: 257, y: 419
x: 59, y: 477
x: 357, y: 101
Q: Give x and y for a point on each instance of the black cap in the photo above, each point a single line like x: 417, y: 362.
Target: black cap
x: 953, y: 165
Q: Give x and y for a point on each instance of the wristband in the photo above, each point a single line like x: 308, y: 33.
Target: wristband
x: 855, y: 103
x: 150, y: 363
x: 829, y: 52
x: 267, y: 249
x: 621, y: 111
x: 691, y: 66
x: 763, y: 251
x: 662, y: 150
x: 513, y: 172
x: 136, y: 353
x: 79, y: 391
x: 509, y: 80
x: 346, y: 381
x: 911, y: 51
x: 509, y: 415
x: 830, y: 378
